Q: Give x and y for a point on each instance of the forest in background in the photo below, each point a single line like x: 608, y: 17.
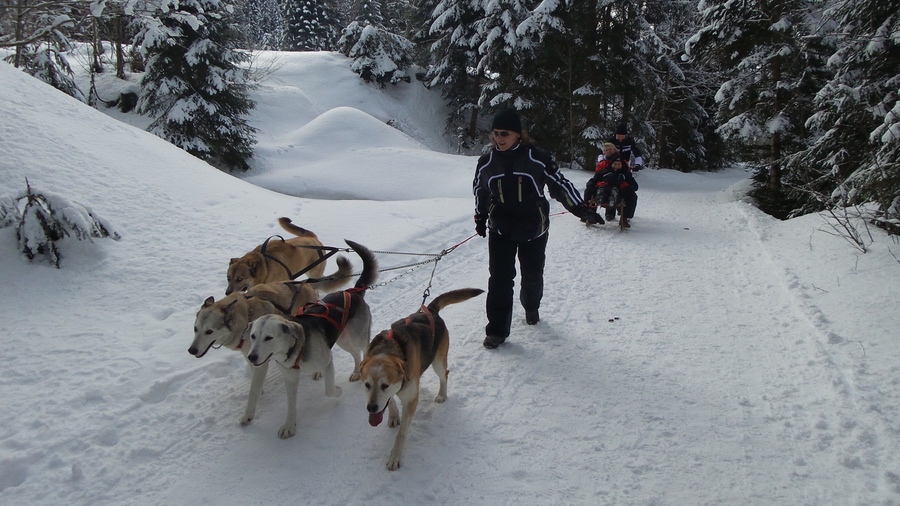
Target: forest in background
x: 804, y: 91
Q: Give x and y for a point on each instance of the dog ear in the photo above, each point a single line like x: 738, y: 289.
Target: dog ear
x: 401, y: 368
x: 254, y: 264
x: 209, y: 301
x: 233, y: 260
x: 295, y: 329
x: 229, y: 314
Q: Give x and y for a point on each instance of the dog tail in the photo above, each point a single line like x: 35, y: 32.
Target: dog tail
x: 370, y: 265
x: 288, y: 225
x: 336, y: 280
x: 453, y: 297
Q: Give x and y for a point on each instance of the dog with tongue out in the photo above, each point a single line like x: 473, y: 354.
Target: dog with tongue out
x: 396, y: 359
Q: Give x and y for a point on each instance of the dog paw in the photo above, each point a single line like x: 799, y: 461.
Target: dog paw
x: 393, y: 463
x: 334, y: 393
x: 393, y: 421
x: 355, y: 376
x: 317, y: 376
x: 440, y: 399
x: 245, y: 420
x: 287, y: 431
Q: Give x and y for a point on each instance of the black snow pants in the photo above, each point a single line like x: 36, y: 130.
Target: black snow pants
x: 502, y: 254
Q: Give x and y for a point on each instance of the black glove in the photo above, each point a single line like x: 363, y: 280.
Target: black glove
x: 481, y: 226
x: 587, y: 214
x: 592, y: 218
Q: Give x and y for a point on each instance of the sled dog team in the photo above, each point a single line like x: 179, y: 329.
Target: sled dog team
x: 271, y: 318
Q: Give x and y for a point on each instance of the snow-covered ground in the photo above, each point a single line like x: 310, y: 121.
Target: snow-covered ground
x: 709, y: 355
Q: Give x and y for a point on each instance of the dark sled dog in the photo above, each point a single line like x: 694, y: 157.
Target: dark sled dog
x: 397, y: 358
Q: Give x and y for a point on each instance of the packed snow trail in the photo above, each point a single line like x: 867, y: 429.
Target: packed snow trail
x: 601, y: 387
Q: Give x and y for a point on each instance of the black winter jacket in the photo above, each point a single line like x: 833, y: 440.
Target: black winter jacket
x: 614, y: 178
x: 509, y: 191
x: 627, y: 147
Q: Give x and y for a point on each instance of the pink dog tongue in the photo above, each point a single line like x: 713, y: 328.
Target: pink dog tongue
x: 376, y: 418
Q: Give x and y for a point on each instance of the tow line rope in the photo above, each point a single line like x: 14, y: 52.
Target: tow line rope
x: 435, y: 257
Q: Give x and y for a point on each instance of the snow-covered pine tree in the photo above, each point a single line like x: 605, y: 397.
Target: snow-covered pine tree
x: 379, y: 55
x: 590, y: 73
x: 758, y: 47
x: 38, y: 32
x: 43, y: 218
x: 309, y: 25
x: 684, y: 137
x: 855, y: 156
x: 455, y: 55
x: 502, y: 55
x: 194, y: 87
x: 262, y: 23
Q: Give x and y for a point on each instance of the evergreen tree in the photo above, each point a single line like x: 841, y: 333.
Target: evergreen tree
x: 758, y: 45
x: 451, y: 27
x: 378, y: 55
x: 855, y: 156
x: 309, y: 25
x: 591, y: 73
x: 262, y: 23
x: 684, y: 138
x: 501, y: 53
x: 39, y: 33
x: 194, y: 87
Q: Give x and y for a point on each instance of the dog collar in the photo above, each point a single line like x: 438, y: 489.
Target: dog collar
x: 299, y: 353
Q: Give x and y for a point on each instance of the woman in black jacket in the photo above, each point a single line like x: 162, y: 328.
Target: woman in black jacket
x: 509, y: 199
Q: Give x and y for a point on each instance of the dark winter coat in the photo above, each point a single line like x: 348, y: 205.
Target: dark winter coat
x: 612, y: 177
x: 509, y: 191
x: 627, y: 147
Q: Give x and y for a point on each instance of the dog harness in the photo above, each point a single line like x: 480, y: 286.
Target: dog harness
x: 406, y: 321
x: 329, y: 314
x: 294, y: 275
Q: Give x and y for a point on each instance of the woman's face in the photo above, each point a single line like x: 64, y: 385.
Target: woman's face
x: 505, y: 139
x: 607, y: 150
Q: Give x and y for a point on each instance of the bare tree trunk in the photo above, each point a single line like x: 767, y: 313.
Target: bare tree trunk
x: 775, y: 165
x: 19, y: 32
x: 117, y: 36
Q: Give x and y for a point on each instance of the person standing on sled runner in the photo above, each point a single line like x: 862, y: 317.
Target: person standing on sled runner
x: 627, y: 147
x: 611, y: 184
x: 509, y: 200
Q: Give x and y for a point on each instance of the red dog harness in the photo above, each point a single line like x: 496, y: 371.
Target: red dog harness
x: 329, y: 315
x: 390, y: 333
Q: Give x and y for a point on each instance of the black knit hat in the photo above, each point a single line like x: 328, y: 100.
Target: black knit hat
x: 622, y: 129
x: 507, y: 119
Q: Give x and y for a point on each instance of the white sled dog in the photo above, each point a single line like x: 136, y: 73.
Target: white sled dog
x: 226, y: 322
x: 304, y: 341
x: 397, y: 358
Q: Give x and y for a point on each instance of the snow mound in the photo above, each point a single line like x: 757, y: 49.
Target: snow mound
x: 360, y: 147
x: 350, y: 127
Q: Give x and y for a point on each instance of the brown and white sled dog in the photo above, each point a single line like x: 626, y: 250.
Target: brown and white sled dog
x: 277, y: 260
x: 226, y: 322
x: 397, y: 358
x: 303, y: 342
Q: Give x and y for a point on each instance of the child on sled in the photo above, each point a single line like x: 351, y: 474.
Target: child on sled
x: 611, y: 184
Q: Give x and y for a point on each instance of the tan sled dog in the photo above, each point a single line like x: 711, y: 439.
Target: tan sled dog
x: 397, y: 358
x: 277, y: 260
x: 225, y: 322
x: 303, y: 342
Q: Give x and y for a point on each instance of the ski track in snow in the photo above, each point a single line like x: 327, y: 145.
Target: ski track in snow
x: 779, y: 368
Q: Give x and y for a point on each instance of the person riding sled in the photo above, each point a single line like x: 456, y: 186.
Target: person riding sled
x: 627, y: 147
x: 611, y: 184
